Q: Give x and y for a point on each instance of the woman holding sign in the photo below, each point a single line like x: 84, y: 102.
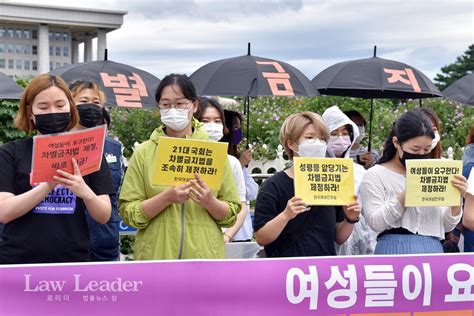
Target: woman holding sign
x: 104, y: 238
x: 184, y: 221
x: 212, y: 115
x: 283, y: 223
x: 45, y: 222
x: 343, y: 134
x: 405, y: 230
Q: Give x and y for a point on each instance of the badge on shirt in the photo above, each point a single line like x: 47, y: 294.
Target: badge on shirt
x: 111, y: 158
x: 59, y: 201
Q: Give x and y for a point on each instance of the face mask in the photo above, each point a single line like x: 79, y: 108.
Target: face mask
x: 361, y: 134
x: 90, y: 114
x: 339, y: 144
x: 214, y: 130
x: 236, y: 136
x: 52, y: 123
x: 312, y: 148
x: 175, y: 119
x: 435, y: 140
x: 407, y: 156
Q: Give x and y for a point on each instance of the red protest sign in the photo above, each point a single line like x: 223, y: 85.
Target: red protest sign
x: 53, y: 152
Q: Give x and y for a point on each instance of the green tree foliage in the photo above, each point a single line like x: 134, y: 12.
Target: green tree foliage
x: 133, y: 125
x: 268, y: 113
x: 8, y: 109
x: 463, y: 65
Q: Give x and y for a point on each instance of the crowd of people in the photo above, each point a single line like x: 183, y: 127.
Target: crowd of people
x: 193, y: 221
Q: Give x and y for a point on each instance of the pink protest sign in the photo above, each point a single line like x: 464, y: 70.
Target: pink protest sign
x: 53, y: 152
x: 368, y: 285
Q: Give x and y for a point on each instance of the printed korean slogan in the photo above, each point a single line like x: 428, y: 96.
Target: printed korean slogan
x: 324, y: 181
x: 53, y: 152
x: 402, y: 285
x: 180, y: 158
x: 429, y: 182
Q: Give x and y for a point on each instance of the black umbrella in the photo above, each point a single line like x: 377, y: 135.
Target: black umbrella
x: 375, y: 78
x: 123, y: 85
x: 8, y: 88
x: 251, y: 76
x: 462, y: 90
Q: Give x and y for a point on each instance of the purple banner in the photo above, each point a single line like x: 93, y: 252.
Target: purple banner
x: 372, y: 285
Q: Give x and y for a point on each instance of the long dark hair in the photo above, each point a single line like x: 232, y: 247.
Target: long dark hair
x: 229, y: 115
x: 411, y: 124
x: 436, y: 152
x: 182, y: 81
x: 204, y: 103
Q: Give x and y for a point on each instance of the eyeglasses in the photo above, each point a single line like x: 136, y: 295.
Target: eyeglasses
x: 180, y: 104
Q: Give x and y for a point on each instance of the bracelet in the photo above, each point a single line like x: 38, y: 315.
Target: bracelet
x: 230, y: 238
x: 350, y: 221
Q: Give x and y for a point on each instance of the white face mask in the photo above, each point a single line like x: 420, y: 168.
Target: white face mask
x: 435, y: 140
x: 313, y: 148
x: 361, y: 134
x: 339, y: 144
x: 214, y: 130
x: 175, y: 119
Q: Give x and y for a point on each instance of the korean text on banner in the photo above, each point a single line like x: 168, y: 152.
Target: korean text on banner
x: 53, y: 152
x: 179, y: 159
x: 428, y: 182
x: 324, y: 181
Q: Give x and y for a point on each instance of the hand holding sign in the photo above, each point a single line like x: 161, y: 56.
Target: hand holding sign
x: 460, y: 183
x: 74, y: 182
x: 200, y: 192
x: 352, y: 210
x: 294, y: 207
x: 180, y: 193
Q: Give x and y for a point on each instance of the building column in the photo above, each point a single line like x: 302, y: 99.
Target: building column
x: 88, y: 47
x: 75, y: 51
x: 43, y: 49
x: 101, y: 43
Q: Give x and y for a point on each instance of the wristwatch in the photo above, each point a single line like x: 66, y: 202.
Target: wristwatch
x: 351, y: 221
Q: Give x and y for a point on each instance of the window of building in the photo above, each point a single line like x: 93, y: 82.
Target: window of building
x: 34, y: 65
x: 26, y: 49
x: 10, y: 33
x: 57, y: 36
x: 2, y: 47
x: 50, y: 36
x: 50, y: 65
x: 66, y: 51
x: 2, y: 32
x: 10, y: 64
x: 34, y: 34
x: 34, y: 50
x: 50, y: 50
x: 18, y: 64
x: 26, y: 34
x: 58, y: 51
x: 65, y: 36
x: 18, y: 33
x: 18, y: 48
x: 26, y: 65
x: 2, y: 63
x: 10, y: 48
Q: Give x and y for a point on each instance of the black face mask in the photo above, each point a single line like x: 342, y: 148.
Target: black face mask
x: 90, y: 114
x: 407, y: 156
x: 52, y: 123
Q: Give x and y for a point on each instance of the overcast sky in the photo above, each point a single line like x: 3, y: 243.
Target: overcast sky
x: 180, y: 36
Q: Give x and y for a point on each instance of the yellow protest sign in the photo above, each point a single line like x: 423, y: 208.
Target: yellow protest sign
x: 178, y: 159
x: 324, y: 181
x: 428, y: 182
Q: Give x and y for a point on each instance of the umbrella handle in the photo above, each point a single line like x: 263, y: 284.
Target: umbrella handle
x: 369, y: 147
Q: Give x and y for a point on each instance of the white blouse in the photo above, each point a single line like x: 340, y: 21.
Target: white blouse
x: 382, y: 210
